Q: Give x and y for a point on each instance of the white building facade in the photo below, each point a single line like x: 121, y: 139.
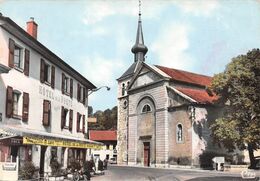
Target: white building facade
x: 43, y: 101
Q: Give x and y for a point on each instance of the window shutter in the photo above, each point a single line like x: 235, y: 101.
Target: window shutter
x: 26, y: 62
x: 84, y: 95
x: 71, y: 88
x: 42, y: 71
x: 78, y: 96
x: 25, y: 106
x: 83, y: 124
x: 9, y: 102
x: 11, y: 52
x: 46, y: 113
x: 62, y: 83
x: 71, y: 120
x: 62, y: 118
x: 78, y: 115
x: 52, y: 77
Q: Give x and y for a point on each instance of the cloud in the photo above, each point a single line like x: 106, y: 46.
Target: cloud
x: 199, y: 7
x: 171, y: 47
x: 97, y: 11
x: 101, y: 71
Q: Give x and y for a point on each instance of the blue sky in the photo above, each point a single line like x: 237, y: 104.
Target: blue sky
x: 95, y: 36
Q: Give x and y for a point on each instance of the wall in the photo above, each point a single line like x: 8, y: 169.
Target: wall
x: 180, y: 151
x: 157, y: 92
x: 122, y: 124
x: 38, y: 92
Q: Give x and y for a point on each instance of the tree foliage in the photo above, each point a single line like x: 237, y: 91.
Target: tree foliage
x: 238, y: 88
x: 106, y: 120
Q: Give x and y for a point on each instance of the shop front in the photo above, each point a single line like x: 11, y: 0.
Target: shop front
x: 42, y: 148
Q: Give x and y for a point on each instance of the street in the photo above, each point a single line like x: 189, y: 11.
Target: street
x: 121, y: 173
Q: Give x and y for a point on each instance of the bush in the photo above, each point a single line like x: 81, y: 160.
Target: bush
x: 74, y: 165
x: 179, y: 160
x: 27, y: 170
x: 55, y: 167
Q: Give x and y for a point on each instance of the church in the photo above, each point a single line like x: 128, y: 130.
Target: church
x: 164, y: 114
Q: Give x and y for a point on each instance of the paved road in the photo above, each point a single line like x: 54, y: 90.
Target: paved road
x: 125, y: 173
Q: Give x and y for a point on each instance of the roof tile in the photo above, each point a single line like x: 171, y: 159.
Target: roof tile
x: 103, y: 135
x: 185, y: 76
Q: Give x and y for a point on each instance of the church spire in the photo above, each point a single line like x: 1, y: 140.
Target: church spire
x: 139, y: 49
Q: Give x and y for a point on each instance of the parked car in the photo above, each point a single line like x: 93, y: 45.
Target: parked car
x: 112, y: 160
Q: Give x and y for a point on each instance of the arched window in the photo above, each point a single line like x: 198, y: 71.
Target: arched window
x: 123, y: 89
x: 146, y: 108
x: 179, y: 133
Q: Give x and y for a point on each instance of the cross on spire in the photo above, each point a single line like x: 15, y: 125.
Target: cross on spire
x: 139, y: 49
x: 140, y: 13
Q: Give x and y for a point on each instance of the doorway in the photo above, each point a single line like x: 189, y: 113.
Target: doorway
x: 147, y: 154
x: 42, y: 159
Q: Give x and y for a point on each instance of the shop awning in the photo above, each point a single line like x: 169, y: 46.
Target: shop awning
x: 36, y: 137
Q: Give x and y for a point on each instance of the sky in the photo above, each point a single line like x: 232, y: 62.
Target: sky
x: 95, y: 37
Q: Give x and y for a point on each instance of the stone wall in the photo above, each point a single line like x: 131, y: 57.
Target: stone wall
x: 122, y: 132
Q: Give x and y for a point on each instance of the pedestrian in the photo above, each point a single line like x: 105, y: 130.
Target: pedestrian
x: 87, y: 167
x: 105, y: 163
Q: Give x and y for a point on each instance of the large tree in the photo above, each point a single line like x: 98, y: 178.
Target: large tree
x: 238, y: 88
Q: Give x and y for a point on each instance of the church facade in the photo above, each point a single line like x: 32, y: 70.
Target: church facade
x: 164, y: 114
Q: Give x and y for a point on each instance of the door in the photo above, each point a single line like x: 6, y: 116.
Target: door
x: 147, y: 154
x: 42, y: 159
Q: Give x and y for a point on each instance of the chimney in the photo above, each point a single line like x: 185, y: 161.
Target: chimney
x: 32, y: 28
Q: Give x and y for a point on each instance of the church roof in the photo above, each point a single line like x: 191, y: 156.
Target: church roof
x: 130, y: 71
x: 184, y: 76
x: 103, y: 135
x: 199, y: 95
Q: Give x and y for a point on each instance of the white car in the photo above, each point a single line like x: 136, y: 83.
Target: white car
x: 112, y: 160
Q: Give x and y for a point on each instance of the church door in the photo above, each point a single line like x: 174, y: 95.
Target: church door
x: 147, y: 154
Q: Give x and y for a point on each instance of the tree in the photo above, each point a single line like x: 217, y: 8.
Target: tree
x: 238, y: 88
x: 106, y: 120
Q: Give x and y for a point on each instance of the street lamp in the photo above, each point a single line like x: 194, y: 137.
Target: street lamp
x: 96, y: 89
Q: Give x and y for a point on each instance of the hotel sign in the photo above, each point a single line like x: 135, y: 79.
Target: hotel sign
x: 50, y: 94
x: 59, y: 143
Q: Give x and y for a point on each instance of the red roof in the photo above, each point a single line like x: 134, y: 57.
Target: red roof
x: 184, y: 76
x: 198, y: 95
x: 102, y: 135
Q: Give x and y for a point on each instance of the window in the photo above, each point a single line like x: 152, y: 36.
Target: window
x: 16, y: 97
x: 17, y: 105
x: 146, y: 108
x: 18, y: 61
x: 65, y: 84
x: 66, y: 118
x: 47, y: 73
x: 80, y: 123
x: 123, y: 89
x: 179, y: 133
x: 81, y: 94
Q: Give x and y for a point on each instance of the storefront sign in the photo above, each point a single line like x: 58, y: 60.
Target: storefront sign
x: 9, y: 166
x: 11, y: 141
x: 59, y: 143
